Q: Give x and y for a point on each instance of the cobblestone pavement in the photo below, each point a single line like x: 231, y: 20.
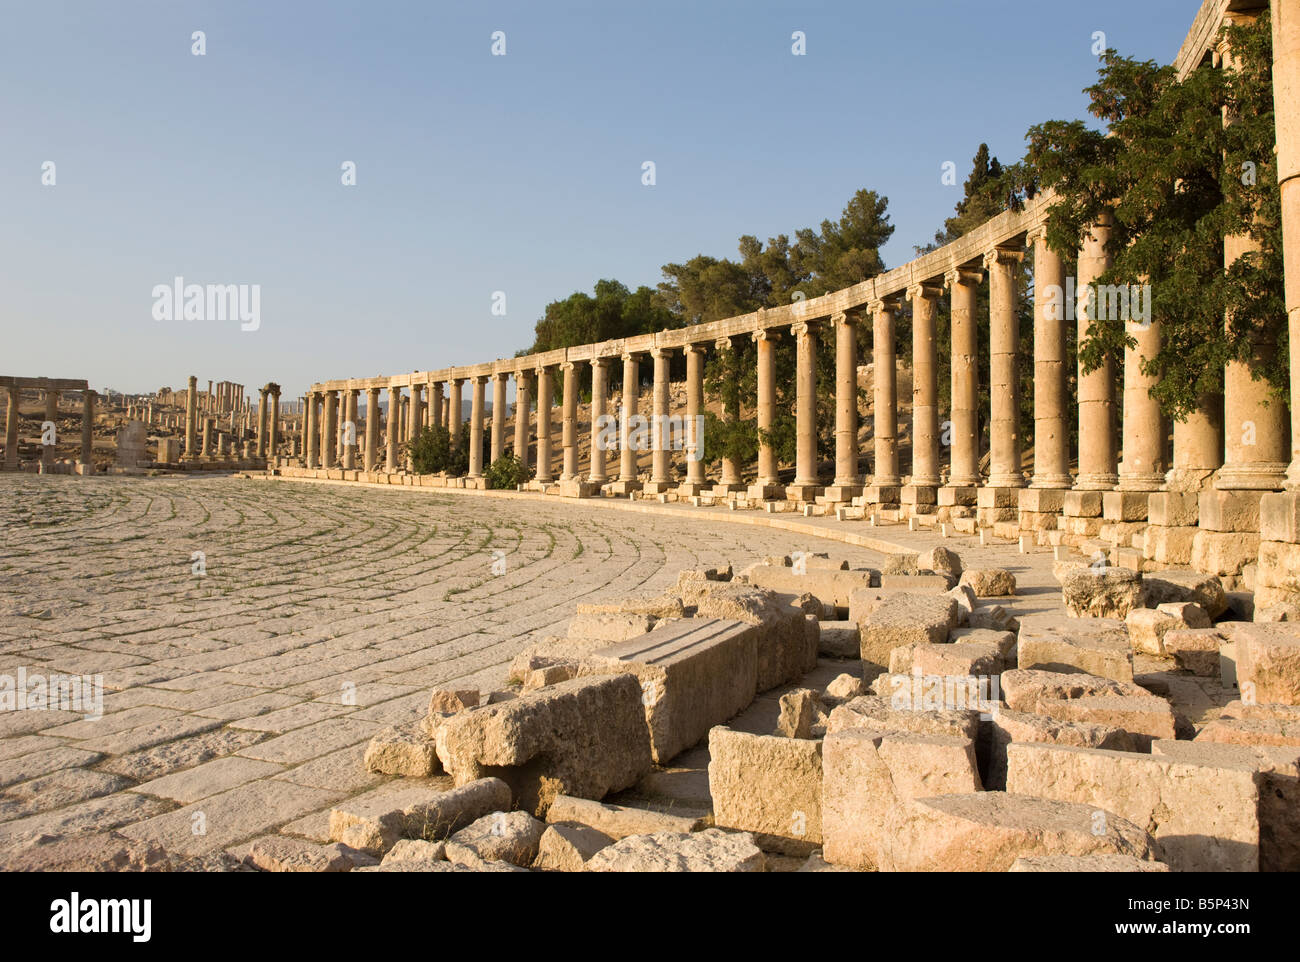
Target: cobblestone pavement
x: 239, y: 700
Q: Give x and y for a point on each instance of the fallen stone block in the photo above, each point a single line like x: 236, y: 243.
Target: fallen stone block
x: 712, y: 850
x: 867, y: 774
x: 374, y: 824
x: 940, y: 560
x: 403, y: 750
x: 798, y: 714
x: 1250, y: 731
x: 1009, y: 726
x: 1096, y: 646
x: 415, y: 850
x: 1202, y: 813
x: 584, y: 737
x: 660, y: 606
x: 901, y: 563
x: 905, y: 619
x: 446, y: 701
x: 1162, y: 587
x: 1145, y: 718
x: 768, y: 786
x: 786, y: 648
x: 994, y: 618
x: 278, y: 853
x: 893, y: 713
x: 1268, y: 660
x: 1100, y: 591
x: 990, y: 582
x: 1280, y: 611
x: 1025, y: 689
x: 831, y: 587
x: 692, y: 674
x: 839, y: 639
x: 1195, y: 650
x: 922, y: 583
x: 1147, y: 628
x: 498, y: 837
x: 550, y: 675
x: 964, y: 595
x: 979, y: 658
x: 1086, y: 863
x: 569, y: 846
x: 610, y: 628
x: 619, y: 821
x: 989, y: 831
x: 842, y: 688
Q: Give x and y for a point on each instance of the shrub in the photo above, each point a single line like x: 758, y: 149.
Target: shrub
x: 506, y: 472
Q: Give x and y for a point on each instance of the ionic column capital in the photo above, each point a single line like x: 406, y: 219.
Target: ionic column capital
x: 962, y: 275
x: 885, y: 305
x: 928, y: 290
x: 1003, y: 257
x: 765, y: 334
x: 849, y: 318
x: 698, y: 347
x: 722, y: 344
x: 632, y: 356
x: 481, y: 378
x: 804, y: 328
x: 1036, y: 234
x: 657, y: 352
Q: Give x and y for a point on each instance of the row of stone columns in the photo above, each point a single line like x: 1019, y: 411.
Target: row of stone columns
x: 85, y: 459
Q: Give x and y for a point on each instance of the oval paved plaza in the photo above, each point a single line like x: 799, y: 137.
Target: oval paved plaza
x: 252, y: 636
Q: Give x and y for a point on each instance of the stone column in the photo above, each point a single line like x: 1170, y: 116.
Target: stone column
x: 805, y: 487
x: 848, y: 479
x: 498, y: 415
x: 523, y: 401
x: 730, y: 480
x: 768, y: 484
x: 476, y: 425
x: 417, y: 411
x: 453, y: 409
x: 963, y: 470
x: 394, y: 422
x: 261, y: 423
x: 661, y: 456
x: 599, y: 473
x: 350, y: 417
x: 695, y: 480
x: 372, y: 429
x: 192, y: 418
x: 921, y: 493
x: 11, y: 429
x: 311, y: 429
x: 1286, y: 101
x: 1097, y: 461
x: 273, y: 428
x: 87, y: 459
x: 569, y: 423
x: 437, y: 406
x: 545, y: 398
x: 208, y: 424
x: 331, y: 429
x: 627, y: 479
x: 1144, y: 462
x: 886, y: 480
x: 1003, y: 265
x: 1051, y: 427
x: 52, y: 415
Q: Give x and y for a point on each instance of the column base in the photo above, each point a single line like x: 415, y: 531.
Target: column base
x: 1189, y: 479
x: 658, y: 487
x: 578, y: 488
x: 1255, y: 476
x: 765, y: 491
x: 842, y: 492
x: 692, y: 489
x: 919, y: 494
x: 1229, y: 511
x: 1140, y: 482
x: 1121, y: 505
x: 1096, y: 482
x: 881, y: 494
x: 1006, y: 482
x: 802, y: 491
x: 995, y: 504
x: 1051, y: 482
x: 622, y: 487
x: 951, y: 495
x: 724, y: 488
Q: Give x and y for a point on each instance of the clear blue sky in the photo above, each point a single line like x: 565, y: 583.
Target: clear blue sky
x: 475, y: 173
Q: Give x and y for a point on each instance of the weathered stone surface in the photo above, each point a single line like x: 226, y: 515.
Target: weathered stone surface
x: 661, y: 606
x: 1268, y: 659
x: 497, y: 837
x: 798, y: 714
x: 446, y: 701
x: 278, y: 853
x: 964, y: 595
x: 905, y: 619
x: 844, y: 687
x: 403, y: 750
x: 712, y: 850
x: 1147, y: 628
x: 769, y: 786
x: 585, y: 737
x: 618, y: 821
x: 786, y: 649
x: 1143, y: 717
x: 1100, y: 592
x: 1203, y: 817
x: 375, y: 823
x: 1024, y: 690
x: 1096, y: 646
x: 102, y: 852
x: 610, y: 628
x: 1009, y: 726
x: 901, y: 564
x: 940, y: 560
x: 692, y: 675
x: 839, y: 639
x: 1161, y: 587
x: 1281, y: 611
x: 1086, y: 863
x: 988, y: 831
x: 892, y: 713
x: 1195, y: 650
x: 984, y: 658
x: 568, y: 846
x: 922, y: 583
x: 415, y: 850
x: 831, y: 587
x: 994, y: 618
x: 868, y: 773
x: 990, y: 582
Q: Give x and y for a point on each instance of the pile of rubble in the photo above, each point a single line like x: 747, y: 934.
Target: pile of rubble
x: 969, y: 740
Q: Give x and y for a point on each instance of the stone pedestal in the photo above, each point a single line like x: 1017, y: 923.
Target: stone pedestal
x: 1277, y: 579
x: 765, y: 491
x: 1080, y: 516
x: 1229, y: 538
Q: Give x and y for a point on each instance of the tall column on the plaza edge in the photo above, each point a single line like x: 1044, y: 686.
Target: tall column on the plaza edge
x: 372, y: 429
x: 694, y: 413
x: 208, y: 449
x: 1143, y: 464
x: 261, y: 423
x: 848, y: 479
x: 192, y: 418
x: 885, y: 425
x: 498, y: 415
x: 599, y: 473
x: 437, y: 405
x: 1097, y: 459
x: 1051, y: 398
x: 964, y: 467
x: 11, y: 429
x: 87, y: 428
x: 1257, y: 447
x: 454, y: 409
x: 925, y: 385
x: 393, y: 423
x: 523, y: 401
x: 545, y: 398
x: 765, y: 410
x: 661, y: 457
x: 51, y: 415
x: 332, y: 429
x: 1286, y: 101
x: 631, y: 400
x: 311, y: 433
x: 730, y: 480
x: 273, y: 428
x: 569, y: 422
x: 805, y: 471
x: 416, y: 411
x: 350, y: 418
x: 1003, y: 265
x: 476, y: 425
